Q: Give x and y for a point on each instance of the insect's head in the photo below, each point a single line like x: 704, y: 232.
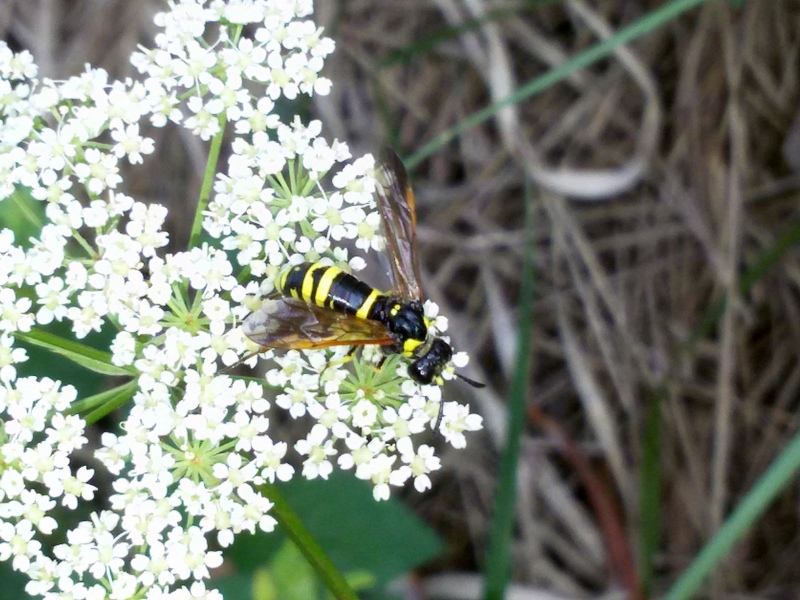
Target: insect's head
x: 430, y: 365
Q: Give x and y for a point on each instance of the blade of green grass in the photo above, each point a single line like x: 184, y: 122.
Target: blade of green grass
x: 748, y: 279
x: 646, y: 24
x: 498, y: 561
x: 650, y: 485
x: 650, y: 481
x: 427, y: 43
x: 86, y: 356
x: 773, y: 482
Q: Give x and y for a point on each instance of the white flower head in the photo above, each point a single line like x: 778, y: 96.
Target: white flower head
x: 195, y: 445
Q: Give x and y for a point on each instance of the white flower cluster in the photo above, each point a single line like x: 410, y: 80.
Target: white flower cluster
x: 194, y: 450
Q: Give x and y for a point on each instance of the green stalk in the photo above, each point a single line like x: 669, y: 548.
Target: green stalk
x: 91, y: 252
x: 292, y: 175
x: 498, y: 562
x: 650, y: 486
x: 761, y: 494
x: 307, y: 545
x: 773, y: 482
x: 208, y: 182
x: 589, y: 56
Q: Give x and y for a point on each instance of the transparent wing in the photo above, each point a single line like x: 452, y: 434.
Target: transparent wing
x: 399, y: 218
x: 290, y: 324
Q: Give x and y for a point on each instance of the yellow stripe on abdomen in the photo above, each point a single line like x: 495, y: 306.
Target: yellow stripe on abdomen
x: 363, y: 311
x: 307, y: 292
x: 324, y: 287
x: 282, y: 280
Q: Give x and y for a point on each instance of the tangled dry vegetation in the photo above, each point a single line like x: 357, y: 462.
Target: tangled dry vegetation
x: 661, y: 176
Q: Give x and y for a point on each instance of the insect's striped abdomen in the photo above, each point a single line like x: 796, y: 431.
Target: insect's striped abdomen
x: 329, y: 287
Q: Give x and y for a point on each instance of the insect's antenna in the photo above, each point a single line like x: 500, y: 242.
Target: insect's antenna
x: 472, y: 382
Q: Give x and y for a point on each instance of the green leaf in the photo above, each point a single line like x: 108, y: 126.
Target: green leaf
x: 263, y: 586
x: 99, y: 405
x: 294, y: 579
x: 86, y: 356
x: 122, y: 397
x: 22, y: 214
x: 292, y: 576
x: 241, y: 587
x: 360, y: 535
x: 287, y: 577
x: 13, y: 581
x: 291, y: 524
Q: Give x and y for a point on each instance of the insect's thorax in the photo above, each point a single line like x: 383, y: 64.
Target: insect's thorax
x: 330, y: 287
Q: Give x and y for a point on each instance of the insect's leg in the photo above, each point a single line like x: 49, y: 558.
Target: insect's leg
x: 241, y: 361
x: 379, y: 366
x: 386, y: 352
x: 441, y: 414
x: 344, y: 360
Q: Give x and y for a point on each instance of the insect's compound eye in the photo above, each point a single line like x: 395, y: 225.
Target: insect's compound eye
x: 421, y: 371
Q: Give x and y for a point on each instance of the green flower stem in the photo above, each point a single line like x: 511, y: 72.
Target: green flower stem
x: 90, y: 251
x: 774, y: 481
x: 177, y: 301
x: 309, y: 185
x: 308, y: 546
x: 278, y: 183
x: 197, y: 305
x: 236, y: 33
x: 208, y: 182
x: 589, y: 56
x: 293, y: 175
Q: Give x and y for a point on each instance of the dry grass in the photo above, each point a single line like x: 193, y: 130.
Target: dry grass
x: 662, y: 173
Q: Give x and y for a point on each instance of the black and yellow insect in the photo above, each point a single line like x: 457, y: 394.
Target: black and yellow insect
x: 322, y: 306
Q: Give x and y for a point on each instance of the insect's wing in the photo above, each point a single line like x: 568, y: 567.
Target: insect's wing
x: 399, y: 217
x: 290, y: 324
